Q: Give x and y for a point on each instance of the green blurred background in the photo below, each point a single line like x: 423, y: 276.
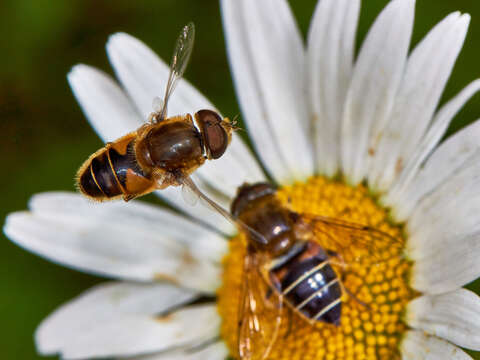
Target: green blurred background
x: 45, y: 136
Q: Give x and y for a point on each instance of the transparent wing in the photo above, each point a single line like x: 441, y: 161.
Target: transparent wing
x: 354, y: 242
x: 157, y: 104
x: 180, y: 58
x: 259, y: 314
x: 189, y: 196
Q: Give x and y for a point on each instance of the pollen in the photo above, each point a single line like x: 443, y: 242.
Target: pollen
x: 376, y: 288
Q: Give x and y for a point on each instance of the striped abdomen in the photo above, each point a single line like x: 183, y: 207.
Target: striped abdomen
x: 113, y: 171
x: 309, y: 284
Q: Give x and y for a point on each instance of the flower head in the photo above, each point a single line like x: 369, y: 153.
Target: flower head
x: 331, y: 132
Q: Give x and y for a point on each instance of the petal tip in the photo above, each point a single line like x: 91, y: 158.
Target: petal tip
x: 119, y: 37
x: 115, y: 36
x: 7, y: 224
x: 82, y: 72
x: 40, y: 339
x: 74, y: 73
x: 465, y: 19
x: 73, y: 70
x: 81, y: 68
x: 12, y: 223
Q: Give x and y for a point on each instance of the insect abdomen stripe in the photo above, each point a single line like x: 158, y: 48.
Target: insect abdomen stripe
x: 104, y: 176
x: 114, y: 172
x: 315, y: 294
x: 327, y: 308
x: 92, y: 174
x: 304, y: 276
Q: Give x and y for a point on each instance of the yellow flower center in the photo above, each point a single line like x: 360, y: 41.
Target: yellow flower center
x: 371, y: 324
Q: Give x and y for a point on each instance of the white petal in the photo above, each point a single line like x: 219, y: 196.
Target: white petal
x: 419, y: 346
x: 102, y: 304
x: 106, y: 106
x: 145, y: 76
x: 131, y: 335
x: 414, y: 182
x: 375, y: 82
x: 249, y: 92
x: 330, y: 61
x: 427, y: 72
x: 452, y: 203
x: 407, y: 189
x: 449, y: 264
x: 444, y: 233
x: 267, y: 61
x: 217, y: 351
x: 453, y: 316
x: 132, y: 241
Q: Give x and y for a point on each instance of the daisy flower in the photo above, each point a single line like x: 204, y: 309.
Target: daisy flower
x: 354, y: 139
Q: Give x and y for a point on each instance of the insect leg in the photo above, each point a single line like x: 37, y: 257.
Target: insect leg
x: 290, y: 323
x: 336, y: 259
x: 341, y: 263
x: 354, y: 297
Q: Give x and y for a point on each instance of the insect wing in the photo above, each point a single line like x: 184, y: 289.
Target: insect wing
x: 157, y: 104
x: 260, y: 313
x: 353, y: 241
x: 189, y: 196
x: 180, y: 58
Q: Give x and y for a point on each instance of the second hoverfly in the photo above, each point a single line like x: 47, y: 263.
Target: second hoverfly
x: 161, y: 153
x: 288, y: 261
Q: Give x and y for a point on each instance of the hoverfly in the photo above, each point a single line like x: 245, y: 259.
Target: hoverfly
x: 289, y: 261
x: 163, y: 152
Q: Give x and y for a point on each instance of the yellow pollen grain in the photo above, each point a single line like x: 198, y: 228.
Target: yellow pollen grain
x: 371, y: 325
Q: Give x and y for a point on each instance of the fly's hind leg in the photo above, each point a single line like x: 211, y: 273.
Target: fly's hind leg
x: 354, y: 297
x: 337, y: 259
x: 290, y: 324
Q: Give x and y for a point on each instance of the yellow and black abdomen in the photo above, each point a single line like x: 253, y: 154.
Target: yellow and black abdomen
x: 309, y: 284
x: 113, y: 171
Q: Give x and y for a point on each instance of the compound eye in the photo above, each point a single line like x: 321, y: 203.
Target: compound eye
x: 249, y: 194
x: 215, y: 132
